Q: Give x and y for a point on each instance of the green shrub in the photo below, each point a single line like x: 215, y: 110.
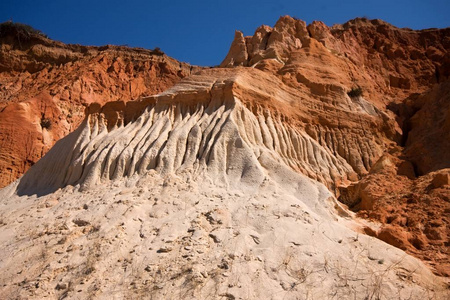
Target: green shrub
x: 46, y: 123
x: 157, y: 51
x: 355, y: 92
x: 22, y: 32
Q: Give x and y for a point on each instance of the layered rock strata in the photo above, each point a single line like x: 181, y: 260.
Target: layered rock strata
x: 226, y: 185
x: 398, y: 70
x: 45, y: 86
x: 192, y: 117
x: 195, y: 193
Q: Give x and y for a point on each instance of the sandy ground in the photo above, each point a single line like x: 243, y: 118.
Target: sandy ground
x: 172, y: 238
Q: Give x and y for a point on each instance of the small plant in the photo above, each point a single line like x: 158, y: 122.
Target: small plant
x: 355, y: 92
x: 46, y: 122
x: 21, y: 31
x: 158, y: 51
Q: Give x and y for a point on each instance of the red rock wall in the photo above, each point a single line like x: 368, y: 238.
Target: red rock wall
x: 46, y: 81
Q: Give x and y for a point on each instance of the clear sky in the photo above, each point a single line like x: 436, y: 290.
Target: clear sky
x: 200, y: 32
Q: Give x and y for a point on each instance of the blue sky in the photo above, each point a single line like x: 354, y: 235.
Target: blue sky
x: 200, y: 32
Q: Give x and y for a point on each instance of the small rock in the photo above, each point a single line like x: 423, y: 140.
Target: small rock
x: 61, y: 286
x: 80, y: 223
x: 164, y: 249
x: 440, y: 180
x: 204, y: 274
x: 228, y: 296
x: 148, y: 268
x: 224, y: 265
x: 215, y: 238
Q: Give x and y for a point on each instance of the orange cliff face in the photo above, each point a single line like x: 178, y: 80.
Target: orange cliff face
x: 231, y: 177
x: 389, y: 63
x: 403, y: 73
x: 404, y: 78
x: 383, y: 153
x: 45, y: 86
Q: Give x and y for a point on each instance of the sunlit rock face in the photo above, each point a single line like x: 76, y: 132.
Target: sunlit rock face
x: 228, y: 183
x: 403, y: 74
x: 45, y: 86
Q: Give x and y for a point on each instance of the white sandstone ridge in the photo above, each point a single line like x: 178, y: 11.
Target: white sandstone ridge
x: 195, y: 194
x: 223, y: 125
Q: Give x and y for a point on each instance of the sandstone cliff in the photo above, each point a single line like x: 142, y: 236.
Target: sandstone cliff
x: 197, y: 192
x: 404, y: 76
x: 227, y: 184
x: 45, y: 86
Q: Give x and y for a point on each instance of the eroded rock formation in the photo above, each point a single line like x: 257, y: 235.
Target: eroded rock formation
x: 400, y: 71
x: 45, y: 86
x: 278, y: 119
x: 199, y: 192
x: 227, y: 184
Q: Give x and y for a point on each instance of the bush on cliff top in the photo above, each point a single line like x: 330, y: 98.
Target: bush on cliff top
x: 21, y: 31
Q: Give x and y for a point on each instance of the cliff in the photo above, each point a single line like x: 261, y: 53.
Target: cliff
x: 312, y: 163
x: 45, y: 86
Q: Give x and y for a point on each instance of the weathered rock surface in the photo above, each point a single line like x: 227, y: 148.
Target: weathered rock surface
x: 284, y: 121
x: 413, y: 211
x: 45, y: 86
x: 389, y: 63
x: 194, y: 193
x: 427, y: 132
x: 399, y: 70
x: 226, y: 184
